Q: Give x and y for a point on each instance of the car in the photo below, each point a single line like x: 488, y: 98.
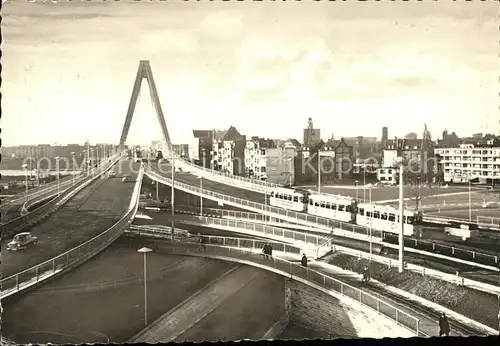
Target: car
x: 21, y: 241
x: 112, y: 174
x: 126, y: 179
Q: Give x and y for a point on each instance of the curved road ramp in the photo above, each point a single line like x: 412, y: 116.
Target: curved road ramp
x: 25, y: 270
x: 283, y: 302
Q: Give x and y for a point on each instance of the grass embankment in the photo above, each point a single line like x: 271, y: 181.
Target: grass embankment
x: 479, y: 306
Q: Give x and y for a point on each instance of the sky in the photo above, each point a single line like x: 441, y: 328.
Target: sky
x: 263, y: 67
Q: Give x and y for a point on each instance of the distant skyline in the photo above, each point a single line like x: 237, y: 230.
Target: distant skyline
x: 265, y: 68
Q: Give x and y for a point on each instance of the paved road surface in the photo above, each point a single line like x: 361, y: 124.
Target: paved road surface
x: 102, y: 300
x: 89, y: 213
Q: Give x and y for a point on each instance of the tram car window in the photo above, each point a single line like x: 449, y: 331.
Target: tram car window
x: 331, y: 207
x: 288, y: 199
x: 384, y: 218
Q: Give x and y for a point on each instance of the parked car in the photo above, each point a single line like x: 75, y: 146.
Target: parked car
x: 21, y: 241
x: 112, y: 174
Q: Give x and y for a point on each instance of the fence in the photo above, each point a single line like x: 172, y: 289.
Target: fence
x: 466, y: 254
x: 66, y: 181
x: 488, y: 221
x: 225, y: 176
x: 13, y: 226
x: 216, y: 240
x: 308, y: 276
x: 79, y: 254
x: 320, y: 224
x: 315, y: 223
x: 320, y: 245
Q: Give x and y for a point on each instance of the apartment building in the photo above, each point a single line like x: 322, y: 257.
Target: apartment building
x: 256, y: 151
x: 228, y: 152
x: 470, y: 162
x: 280, y: 163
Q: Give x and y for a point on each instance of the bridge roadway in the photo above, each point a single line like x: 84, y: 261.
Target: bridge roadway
x: 232, y: 190
x: 11, y: 207
x: 102, y: 300
x: 87, y: 214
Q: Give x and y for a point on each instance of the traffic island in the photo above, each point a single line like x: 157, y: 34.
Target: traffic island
x: 476, y: 305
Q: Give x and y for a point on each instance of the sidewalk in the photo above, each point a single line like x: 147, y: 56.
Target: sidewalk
x: 428, y: 324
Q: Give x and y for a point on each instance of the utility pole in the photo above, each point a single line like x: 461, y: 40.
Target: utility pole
x: 319, y: 172
x: 401, y: 220
x: 172, y: 197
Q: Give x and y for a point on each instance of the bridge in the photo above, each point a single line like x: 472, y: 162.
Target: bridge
x: 75, y: 219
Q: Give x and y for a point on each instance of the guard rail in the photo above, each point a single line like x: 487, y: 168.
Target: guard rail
x: 314, y: 246
x: 17, y: 224
x: 43, y: 271
x: 307, y: 276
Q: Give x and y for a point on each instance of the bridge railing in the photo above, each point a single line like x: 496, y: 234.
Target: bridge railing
x: 488, y: 221
x: 310, y: 276
x: 29, y: 277
x: 320, y: 245
x: 491, y: 259
x: 248, y: 243
x: 320, y: 224
x: 63, y: 182
x: 228, y: 176
x: 12, y: 226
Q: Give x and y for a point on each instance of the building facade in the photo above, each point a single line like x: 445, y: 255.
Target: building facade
x: 469, y: 162
x: 337, y: 160
x: 228, y: 152
x: 280, y: 164
x: 256, y: 150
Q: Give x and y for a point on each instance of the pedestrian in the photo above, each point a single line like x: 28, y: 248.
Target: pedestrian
x: 265, y: 250
x: 202, y: 244
x: 303, y: 261
x: 270, y: 250
x: 365, y: 274
x: 444, y: 327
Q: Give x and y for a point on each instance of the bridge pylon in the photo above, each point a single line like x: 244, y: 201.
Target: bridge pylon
x: 144, y: 72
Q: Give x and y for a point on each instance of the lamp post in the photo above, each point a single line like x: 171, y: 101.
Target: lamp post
x: 371, y: 244
x: 73, y: 157
x: 319, y: 172
x: 25, y: 167
x: 145, y: 250
x: 470, y: 199
x: 173, y: 194
x: 90, y: 160
x: 401, y: 217
x: 57, y: 167
x: 201, y: 197
x: 356, y: 185
x: 85, y: 159
x: 364, y: 183
x: 265, y: 209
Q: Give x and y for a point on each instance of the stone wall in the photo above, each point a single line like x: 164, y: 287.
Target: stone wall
x: 316, y: 310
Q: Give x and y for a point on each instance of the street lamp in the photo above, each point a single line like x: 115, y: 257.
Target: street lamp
x: 145, y: 250
x: 173, y: 195
x: 265, y: 208
x: 372, y: 207
x: 470, y: 202
x: 201, y: 197
x: 401, y: 216
x: 73, y: 157
x: 319, y: 172
x: 356, y: 184
x: 85, y: 159
x: 364, y: 183
x: 57, y: 166
x: 25, y: 167
x: 90, y: 160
